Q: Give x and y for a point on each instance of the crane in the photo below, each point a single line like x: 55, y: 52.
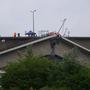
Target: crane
x: 62, y: 25
x: 57, y: 33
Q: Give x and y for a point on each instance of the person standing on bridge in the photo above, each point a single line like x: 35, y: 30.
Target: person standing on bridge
x: 14, y: 34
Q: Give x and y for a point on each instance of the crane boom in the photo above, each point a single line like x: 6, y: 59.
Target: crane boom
x: 62, y: 25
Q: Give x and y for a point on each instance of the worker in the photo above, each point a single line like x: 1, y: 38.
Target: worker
x: 18, y: 34
x: 14, y: 34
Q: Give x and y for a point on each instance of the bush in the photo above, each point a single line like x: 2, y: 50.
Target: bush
x: 31, y: 72
x: 52, y: 88
x: 70, y: 74
x: 39, y: 72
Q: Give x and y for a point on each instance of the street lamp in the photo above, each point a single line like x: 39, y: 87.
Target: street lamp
x: 33, y: 18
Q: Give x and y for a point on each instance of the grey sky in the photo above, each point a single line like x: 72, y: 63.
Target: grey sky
x: 15, y: 16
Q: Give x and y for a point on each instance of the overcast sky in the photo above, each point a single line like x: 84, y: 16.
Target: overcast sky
x: 15, y: 16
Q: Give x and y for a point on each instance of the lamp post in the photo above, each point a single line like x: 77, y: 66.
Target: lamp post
x: 33, y: 18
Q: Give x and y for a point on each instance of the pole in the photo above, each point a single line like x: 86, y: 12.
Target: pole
x: 33, y: 18
x: 33, y: 21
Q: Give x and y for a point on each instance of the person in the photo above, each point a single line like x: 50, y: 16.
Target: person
x: 18, y: 34
x: 14, y: 34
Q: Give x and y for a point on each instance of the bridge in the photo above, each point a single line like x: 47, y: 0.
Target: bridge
x: 14, y: 48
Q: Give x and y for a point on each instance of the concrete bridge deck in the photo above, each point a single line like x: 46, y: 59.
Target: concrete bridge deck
x: 41, y: 46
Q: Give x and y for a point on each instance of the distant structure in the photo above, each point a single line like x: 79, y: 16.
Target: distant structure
x: 30, y: 34
x: 65, y: 32
x: 68, y: 33
x: 43, y: 33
